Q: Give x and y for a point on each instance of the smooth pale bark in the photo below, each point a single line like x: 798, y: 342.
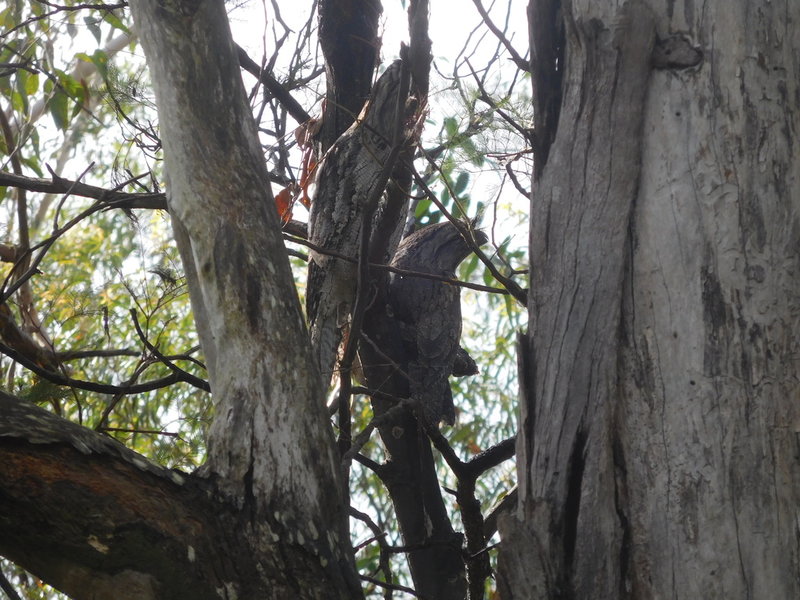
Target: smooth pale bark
x: 658, y: 442
x: 712, y: 313
x: 271, y: 451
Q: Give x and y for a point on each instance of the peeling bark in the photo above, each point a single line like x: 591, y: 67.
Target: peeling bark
x: 349, y: 170
x: 347, y: 176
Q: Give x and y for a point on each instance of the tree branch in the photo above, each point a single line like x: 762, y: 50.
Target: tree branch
x: 513, y: 288
x: 80, y: 354
x: 59, y: 185
x: 391, y: 269
x: 275, y: 88
x: 110, y: 198
x: 90, y: 386
x: 491, y: 457
x: 378, y: 536
x: 7, y: 588
x: 521, y: 63
x: 97, y: 502
x: 394, y: 586
x: 176, y: 370
x: 363, y: 282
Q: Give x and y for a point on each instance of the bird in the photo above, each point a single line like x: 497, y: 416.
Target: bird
x: 428, y: 314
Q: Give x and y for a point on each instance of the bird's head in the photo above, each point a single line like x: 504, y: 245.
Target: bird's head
x: 438, y: 248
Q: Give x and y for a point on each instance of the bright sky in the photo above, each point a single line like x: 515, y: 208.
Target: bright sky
x: 451, y: 22
x: 454, y: 25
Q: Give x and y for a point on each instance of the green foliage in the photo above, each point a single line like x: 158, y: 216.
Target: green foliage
x: 28, y: 586
x: 109, y: 263
x: 85, y: 111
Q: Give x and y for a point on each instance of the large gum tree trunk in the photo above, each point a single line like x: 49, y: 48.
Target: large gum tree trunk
x: 271, y: 452
x: 659, y: 416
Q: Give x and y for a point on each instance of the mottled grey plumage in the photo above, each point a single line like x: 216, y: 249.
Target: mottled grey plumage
x: 347, y: 177
x: 428, y: 314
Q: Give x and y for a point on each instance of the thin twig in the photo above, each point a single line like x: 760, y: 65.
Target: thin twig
x: 61, y: 8
x: 9, y: 590
x: 89, y: 386
x: 515, y: 56
x: 515, y: 181
x: 487, y: 98
x: 512, y: 286
x: 142, y: 431
x: 111, y: 406
x: 393, y: 586
x: 377, y: 536
x: 391, y: 269
x: 184, y: 376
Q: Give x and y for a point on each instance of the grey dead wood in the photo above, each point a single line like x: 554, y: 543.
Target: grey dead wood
x: 348, y: 174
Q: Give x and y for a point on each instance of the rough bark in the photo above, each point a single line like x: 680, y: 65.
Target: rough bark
x: 106, y: 522
x: 350, y: 171
x: 349, y: 179
x: 578, y: 251
x: 657, y: 452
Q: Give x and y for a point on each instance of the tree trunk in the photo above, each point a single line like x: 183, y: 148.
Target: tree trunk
x: 349, y: 181
x: 435, y: 561
x: 268, y: 517
x: 658, y: 449
x: 238, y: 271
x: 348, y: 36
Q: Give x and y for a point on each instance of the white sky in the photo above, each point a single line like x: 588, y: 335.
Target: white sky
x: 451, y: 21
x: 452, y: 25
